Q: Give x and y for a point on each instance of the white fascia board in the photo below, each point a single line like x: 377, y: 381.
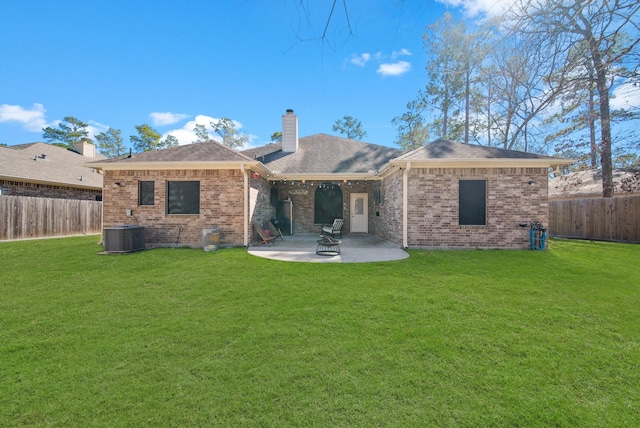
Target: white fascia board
x: 482, y: 163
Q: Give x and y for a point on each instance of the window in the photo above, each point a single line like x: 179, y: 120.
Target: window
x: 377, y: 193
x: 472, y: 203
x: 145, y: 192
x: 183, y: 197
x: 328, y: 203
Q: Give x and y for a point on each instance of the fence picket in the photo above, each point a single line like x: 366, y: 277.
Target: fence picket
x: 24, y: 217
x: 607, y: 219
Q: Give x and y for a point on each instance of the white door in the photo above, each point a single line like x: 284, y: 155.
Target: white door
x: 359, y: 213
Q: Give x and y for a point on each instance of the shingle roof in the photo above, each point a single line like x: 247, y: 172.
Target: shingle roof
x: 209, y: 151
x: 46, y: 163
x: 322, y: 154
x: 445, y: 149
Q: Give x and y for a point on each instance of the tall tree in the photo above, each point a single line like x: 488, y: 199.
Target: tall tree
x: 599, y: 25
x: 276, y: 137
x: 350, y: 127
x: 110, y: 143
x: 202, y: 133
x: 170, y: 141
x: 227, y: 131
x: 412, y: 132
x: 445, y: 71
x: 69, y: 132
x: 522, y: 66
x: 149, y: 139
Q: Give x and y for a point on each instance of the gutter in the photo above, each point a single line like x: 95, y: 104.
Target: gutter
x: 405, y: 205
x: 245, y: 197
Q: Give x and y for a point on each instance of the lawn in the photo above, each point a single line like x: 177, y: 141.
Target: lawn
x: 180, y: 337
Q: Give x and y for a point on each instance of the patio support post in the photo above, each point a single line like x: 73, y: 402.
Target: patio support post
x: 245, y: 199
x: 405, y: 205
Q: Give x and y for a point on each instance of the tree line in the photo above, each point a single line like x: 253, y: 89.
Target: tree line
x: 538, y: 79
x: 72, y: 130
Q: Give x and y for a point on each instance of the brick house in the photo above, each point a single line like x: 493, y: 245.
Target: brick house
x: 442, y: 195
x: 48, y: 171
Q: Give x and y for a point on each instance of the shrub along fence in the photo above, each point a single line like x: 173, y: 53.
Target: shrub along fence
x: 608, y: 219
x: 24, y: 217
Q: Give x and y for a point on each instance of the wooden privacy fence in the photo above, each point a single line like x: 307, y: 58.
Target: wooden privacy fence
x: 24, y: 217
x: 607, y: 219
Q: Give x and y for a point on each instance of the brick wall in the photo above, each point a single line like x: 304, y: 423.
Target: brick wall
x: 221, y: 206
x: 388, y: 224
x: 21, y: 188
x: 260, y: 207
x: 433, y: 207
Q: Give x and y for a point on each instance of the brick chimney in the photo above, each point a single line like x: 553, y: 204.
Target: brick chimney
x: 289, y: 132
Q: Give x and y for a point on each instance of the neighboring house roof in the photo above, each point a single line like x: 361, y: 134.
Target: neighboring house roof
x: 325, y: 154
x: 209, y: 154
x: 588, y: 183
x: 449, y: 153
x: 48, y: 164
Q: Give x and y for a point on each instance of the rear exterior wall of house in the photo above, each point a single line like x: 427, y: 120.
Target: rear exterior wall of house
x: 513, y: 196
x: 221, y: 206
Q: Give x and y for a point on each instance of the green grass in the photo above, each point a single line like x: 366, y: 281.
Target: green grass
x: 179, y: 337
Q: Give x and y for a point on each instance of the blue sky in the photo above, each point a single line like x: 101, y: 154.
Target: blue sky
x: 173, y: 64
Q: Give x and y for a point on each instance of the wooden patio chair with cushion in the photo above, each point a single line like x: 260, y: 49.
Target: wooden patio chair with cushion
x: 335, y: 229
x: 273, y: 229
x: 264, y: 239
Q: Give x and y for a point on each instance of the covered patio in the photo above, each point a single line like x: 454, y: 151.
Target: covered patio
x: 354, y: 248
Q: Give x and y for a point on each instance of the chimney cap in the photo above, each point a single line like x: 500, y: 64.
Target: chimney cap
x: 289, y: 111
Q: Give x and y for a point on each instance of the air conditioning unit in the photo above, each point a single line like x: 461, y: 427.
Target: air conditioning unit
x: 123, y: 239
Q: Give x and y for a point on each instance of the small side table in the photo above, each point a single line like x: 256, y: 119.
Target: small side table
x: 328, y: 246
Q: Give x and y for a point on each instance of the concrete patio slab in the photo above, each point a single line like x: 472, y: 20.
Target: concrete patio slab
x: 354, y: 248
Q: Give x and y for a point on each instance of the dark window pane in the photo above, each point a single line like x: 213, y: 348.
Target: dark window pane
x: 328, y: 203
x: 183, y: 197
x: 145, y: 194
x: 472, y: 206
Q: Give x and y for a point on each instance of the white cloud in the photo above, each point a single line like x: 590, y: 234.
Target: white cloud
x: 95, y: 128
x: 166, y: 118
x: 185, y: 135
x: 31, y: 119
x: 394, y: 69
x: 625, y: 96
x: 473, y: 8
x: 401, y: 52
x: 360, y: 60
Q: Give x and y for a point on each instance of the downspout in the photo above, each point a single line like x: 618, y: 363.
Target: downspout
x: 245, y: 198
x: 405, y: 205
